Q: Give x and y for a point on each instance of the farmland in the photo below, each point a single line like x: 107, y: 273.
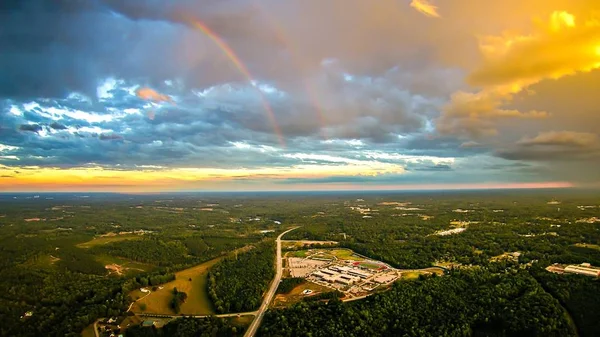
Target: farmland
x: 197, y: 302
x: 103, y: 240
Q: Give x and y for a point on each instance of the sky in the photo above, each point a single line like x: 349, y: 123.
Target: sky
x: 208, y: 95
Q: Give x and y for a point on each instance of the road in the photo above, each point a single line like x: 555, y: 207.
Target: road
x: 235, y: 314
x: 312, y: 242
x: 269, y: 296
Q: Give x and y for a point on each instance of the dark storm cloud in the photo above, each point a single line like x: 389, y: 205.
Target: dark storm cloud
x: 30, y: 127
x: 58, y: 126
x: 438, y: 167
x: 555, y: 146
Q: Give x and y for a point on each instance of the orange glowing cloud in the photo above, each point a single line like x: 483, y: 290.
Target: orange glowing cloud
x: 152, y: 95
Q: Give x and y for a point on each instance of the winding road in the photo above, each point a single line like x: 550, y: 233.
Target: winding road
x: 269, y: 296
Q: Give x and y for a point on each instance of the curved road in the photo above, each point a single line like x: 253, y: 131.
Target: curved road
x: 269, y: 296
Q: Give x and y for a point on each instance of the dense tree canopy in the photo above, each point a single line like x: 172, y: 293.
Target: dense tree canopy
x: 237, y: 284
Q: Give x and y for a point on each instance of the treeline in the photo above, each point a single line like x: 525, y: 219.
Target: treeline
x: 288, y: 284
x: 237, y: 284
x: 190, y: 327
x: 468, y: 303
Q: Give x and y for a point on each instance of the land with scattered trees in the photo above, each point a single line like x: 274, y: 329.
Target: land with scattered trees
x: 70, y: 259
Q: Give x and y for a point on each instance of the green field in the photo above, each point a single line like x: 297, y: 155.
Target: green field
x: 197, y: 303
x: 102, y: 240
x: 345, y: 254
x: 298, y: 253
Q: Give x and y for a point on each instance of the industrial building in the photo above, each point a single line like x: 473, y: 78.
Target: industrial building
x: 583, y: 269
x: 359, y: 273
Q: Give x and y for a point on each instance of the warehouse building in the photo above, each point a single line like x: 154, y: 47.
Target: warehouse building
x: 583, y: 269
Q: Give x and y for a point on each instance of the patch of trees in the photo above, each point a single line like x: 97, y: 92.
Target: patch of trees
x: 467, y: 303
x: 578, y: 294
x: 153, y: 250
x: 78, y: 260
x: 63, y: 303
x: 288, y: 284
x: 196, y: 246
x: 154, y: 279
x: 190, y: 327
x: 237, y: 284
x: 178, y: 298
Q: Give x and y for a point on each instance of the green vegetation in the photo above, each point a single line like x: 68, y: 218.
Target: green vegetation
x: 237, y: 284
x: 469, y: 303
x: 178, y: 298
x: 190, y: 327
x: 68, y: 273
x: 102, y: 240
x: 287, y: 284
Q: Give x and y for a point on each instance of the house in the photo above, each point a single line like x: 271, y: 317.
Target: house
x: 148, y: 323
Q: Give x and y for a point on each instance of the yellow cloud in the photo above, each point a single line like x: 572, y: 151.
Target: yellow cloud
x: 560, y: 46
x: 425, y: 7
x: 175, y: 178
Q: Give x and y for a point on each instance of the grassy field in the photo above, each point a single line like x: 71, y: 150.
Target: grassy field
x: 295, y: 296
x: 41, y: 262
x: 345, y: 254
x: 107, y: 239
x: 588, y: 245
x: 298, y: 253
x: 88, y: 331
x: 197, y: 301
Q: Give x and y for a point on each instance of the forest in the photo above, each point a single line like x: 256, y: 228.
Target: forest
x: 468, y: 303
x: 190, y: 327
x: 54, y: 251
x: 237, y: 284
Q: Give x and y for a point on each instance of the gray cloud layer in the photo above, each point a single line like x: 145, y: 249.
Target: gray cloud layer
x: 343, y: 78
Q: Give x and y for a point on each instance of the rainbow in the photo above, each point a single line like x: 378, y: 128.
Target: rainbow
x: 281, y: 37
x: 232, y: 56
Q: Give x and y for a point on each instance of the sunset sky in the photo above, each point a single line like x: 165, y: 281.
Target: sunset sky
x: 143, y: 95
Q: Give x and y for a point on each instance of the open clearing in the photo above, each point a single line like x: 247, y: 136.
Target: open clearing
x: 107, y: 239
x: 197, y: 302
x: 295, y: 296
x: 121, y: 266
x: 345, y: 254
x: 588, y: 245
x: 88, y: 331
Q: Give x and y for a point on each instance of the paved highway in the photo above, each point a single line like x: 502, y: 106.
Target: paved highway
x: 269, y: 296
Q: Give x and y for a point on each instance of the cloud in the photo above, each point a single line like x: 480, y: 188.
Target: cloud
x: 30, y: 127
x: 58, y: 126
x: 110, y: 137
x: 425, y: 7
x: 555, y: 146
x: 152, y: 95
x: 559, y: 47
x: 563, y: 138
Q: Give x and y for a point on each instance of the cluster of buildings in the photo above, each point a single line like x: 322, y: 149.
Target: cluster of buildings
x: 581, y: 269
x: 341, y: 274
